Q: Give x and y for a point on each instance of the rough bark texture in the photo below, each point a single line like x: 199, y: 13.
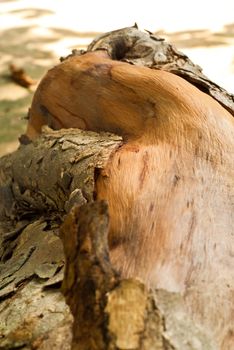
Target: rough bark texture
x: 109, y: 313
x: 43, y: 180
x: 39, y: 183
x: 43, y: 177
x: 114, y: 313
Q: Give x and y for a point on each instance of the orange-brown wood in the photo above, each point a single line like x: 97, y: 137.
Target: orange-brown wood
x: 169, y: 187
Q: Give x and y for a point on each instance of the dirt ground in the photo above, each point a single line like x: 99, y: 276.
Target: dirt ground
x: 33, y: 38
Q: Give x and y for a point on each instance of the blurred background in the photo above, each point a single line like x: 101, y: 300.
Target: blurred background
x: 33, y: 35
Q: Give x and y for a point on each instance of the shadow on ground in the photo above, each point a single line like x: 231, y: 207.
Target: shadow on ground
x: 201, y: 38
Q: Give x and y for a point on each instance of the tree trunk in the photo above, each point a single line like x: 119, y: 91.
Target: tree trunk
x: 168, y: 182
x: 103, y: 304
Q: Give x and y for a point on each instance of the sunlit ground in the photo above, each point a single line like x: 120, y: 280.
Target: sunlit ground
x: 34, y: 35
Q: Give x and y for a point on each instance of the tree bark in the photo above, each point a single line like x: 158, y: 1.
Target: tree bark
x: 103, y: 305
x: 114, y: 313
x: 41, y: 183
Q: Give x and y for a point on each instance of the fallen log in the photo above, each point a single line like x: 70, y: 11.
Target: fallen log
x: 169, y: 188
x: 32, y: 261
x: 170, y: 185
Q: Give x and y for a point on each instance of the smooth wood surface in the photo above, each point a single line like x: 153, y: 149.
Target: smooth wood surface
x: 169, y: 187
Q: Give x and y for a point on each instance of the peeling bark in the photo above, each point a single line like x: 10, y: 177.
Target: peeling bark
x: 109, y: 313
x: 114, y: 313
x: 43, y: 180
x: 52, y: 173
x: 39, y: 183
